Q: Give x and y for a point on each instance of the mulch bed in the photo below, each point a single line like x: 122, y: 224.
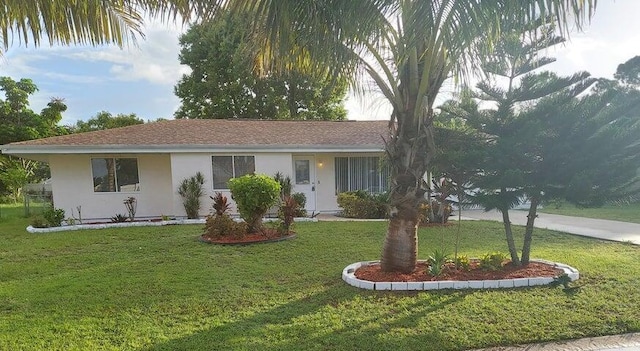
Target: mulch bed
x: 532, y: 270
x: 266, y: 235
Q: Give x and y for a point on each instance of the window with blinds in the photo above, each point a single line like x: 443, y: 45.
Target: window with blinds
x: 361, y: 173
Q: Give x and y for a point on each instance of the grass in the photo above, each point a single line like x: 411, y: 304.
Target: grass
x: 622, y: 212
x: 151, y: 288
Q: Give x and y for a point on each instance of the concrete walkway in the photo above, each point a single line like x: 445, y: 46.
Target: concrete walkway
x: 624, y: 342
x: 595, y: 228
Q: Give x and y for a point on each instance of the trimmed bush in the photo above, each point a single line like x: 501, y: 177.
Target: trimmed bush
x: 254, y: 195
x: 360, y: 204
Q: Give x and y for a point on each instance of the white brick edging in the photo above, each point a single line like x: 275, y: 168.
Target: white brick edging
x: 348, y: 275
x: 65, y: 228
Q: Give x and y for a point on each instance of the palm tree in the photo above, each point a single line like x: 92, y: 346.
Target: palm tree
x: 408, y: 48
x: 93, y: 22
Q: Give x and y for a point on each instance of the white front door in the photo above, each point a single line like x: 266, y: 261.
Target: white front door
x: 304, y: 179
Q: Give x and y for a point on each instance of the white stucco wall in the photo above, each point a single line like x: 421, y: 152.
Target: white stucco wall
x: 185, y: 165
x: 161, y: 174
x: 72, y: 186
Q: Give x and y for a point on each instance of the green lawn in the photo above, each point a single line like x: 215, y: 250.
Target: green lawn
x: 152, y: 288
x: 625, y: 213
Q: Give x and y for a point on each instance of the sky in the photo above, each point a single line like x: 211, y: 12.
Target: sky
x: 140, y: 78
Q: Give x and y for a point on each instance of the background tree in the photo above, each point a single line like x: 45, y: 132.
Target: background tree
x: 628, y: 73
x: 224, y: 84
x: 17, y: 123
x: 408, y: 49
x: 105, y: 120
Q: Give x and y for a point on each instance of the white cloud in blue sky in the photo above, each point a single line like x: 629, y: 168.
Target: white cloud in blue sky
x: 140, y: 79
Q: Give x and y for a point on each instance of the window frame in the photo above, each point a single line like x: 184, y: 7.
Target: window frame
x: 115, y: 170
x: 233, y: 169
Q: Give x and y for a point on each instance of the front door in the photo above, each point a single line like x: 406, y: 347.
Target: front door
x: 304, y: 179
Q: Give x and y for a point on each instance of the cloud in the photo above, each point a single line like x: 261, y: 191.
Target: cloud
x: 154, y: 59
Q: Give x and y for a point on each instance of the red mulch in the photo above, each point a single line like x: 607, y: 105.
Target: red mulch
x: 532, y: 270
x: 265, y: 235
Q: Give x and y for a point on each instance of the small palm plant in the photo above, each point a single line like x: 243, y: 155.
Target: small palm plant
x: 191, y: 189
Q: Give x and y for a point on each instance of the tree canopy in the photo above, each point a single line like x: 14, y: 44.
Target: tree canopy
x: 18, y: 122
x: 105, y: 120
x: 223, y: 82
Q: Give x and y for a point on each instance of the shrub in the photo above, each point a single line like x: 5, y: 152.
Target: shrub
x: 191, y: 190
x: 219, y: 226
x: 285, y: 184
x: 301, y: 200
x: 492, y: 261
x: 53, y: 216
x: 432, y: 212
x: 360, y: 204
x: 254, y: 195
x: 38, y: 221
x: 220, y: 203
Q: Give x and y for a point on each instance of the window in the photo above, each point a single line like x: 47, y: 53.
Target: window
x: 227, y: 167
x: 361, y: 173
x: 115, y: 175
x: 303, y: 172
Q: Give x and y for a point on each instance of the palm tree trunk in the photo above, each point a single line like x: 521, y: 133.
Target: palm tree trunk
x: 509, y: 234
x: 400, y: 250
x: 408, y: 158
x: 528, y: 233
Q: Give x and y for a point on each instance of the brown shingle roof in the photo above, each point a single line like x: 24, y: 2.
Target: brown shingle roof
x: 217, y: 132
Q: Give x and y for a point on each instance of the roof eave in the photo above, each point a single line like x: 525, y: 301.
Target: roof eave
x: 95, y: 149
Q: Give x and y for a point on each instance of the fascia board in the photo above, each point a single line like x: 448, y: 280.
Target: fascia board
x: 93, y: 149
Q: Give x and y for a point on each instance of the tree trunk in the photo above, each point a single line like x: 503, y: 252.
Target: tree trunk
x: 400, y: 250
x: 510, y: 242
x: 528, y: 233
x: 408, y: 159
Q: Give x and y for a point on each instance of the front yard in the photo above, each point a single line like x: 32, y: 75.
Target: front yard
x: 158, y: 288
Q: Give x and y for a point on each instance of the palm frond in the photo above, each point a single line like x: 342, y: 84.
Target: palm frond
x: 88, y: 22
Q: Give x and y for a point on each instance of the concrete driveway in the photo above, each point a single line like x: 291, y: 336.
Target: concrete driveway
x: 595, y: 228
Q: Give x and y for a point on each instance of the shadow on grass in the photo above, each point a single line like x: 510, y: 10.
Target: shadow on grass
x: 312, y: 323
